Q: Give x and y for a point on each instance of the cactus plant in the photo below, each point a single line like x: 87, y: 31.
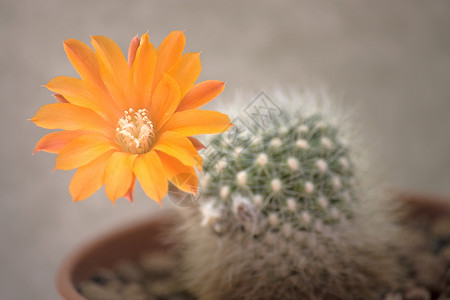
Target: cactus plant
x: 284, y: 214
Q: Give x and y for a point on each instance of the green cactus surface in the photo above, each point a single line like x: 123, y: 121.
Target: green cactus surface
x: 294, y: 170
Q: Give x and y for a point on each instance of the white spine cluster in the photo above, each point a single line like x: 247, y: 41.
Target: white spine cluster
x: 262, y: 159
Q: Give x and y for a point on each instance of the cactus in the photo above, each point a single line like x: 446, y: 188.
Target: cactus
x: 282, y: 216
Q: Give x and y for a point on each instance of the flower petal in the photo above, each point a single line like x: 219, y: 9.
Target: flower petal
x: 114, y: 70
x: 55, y: 141
x: 73, y: 89
x: 169, y: 51
x: 183, y: 177
x: 129, y: 193
x: 109, y: 54
x: 132, y: 49
x: 150, y: 173
x: 83, y: 150
x: 89, y: 178
x: 186, y: 71
x: 70, y: 117
x: 196, y: 143
x: 178, y: 146
x: 201, y: 94
x: 60, y: 98
x: 84, y: 61
x: 194, y: 122
x: 83, y: 94
x: 165, y: 101
x: 142, y: 71
x: 119, y: 174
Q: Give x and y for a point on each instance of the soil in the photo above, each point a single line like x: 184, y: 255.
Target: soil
x: 153, y: 276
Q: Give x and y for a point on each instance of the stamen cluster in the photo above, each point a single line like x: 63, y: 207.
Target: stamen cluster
x: 135, y: 132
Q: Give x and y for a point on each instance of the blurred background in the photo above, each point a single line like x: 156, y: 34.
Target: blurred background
x: 387, y: 61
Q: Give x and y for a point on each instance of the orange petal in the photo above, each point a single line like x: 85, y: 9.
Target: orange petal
x: 70, y: 117
x: 201, y: 94
x: 129, y: 193
x: 196, y: 143
x: 55, y: 141
x: 150, y: 173
x: 89, y: 178
x: 199, y: 166
x: 132, y: 49
x: 194, y: 122
x: 165, y: 101
x: 109, y: 54
x: 82, y: 151
x: 72, y: 88
x: 114, y: 70
x: 178, y: 146
x: 183, y: 177
x: 143, y: 71
x: 84, y: 61
x: 169, y: 51
x: 186, y: 71
x: 60, y: 98
x: 119, y: 174
x: 79, y: 92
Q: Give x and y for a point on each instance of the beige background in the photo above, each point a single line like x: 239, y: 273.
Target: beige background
x: 389, y: 61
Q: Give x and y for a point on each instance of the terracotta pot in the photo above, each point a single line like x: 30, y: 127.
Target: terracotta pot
x: 146, y: 236
x: 126, y: 243
x: 424, y: 207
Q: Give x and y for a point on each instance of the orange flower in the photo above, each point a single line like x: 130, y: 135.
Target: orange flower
x: 126, y: 120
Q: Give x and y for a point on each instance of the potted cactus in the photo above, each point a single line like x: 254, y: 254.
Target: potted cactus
x: 283, y: 210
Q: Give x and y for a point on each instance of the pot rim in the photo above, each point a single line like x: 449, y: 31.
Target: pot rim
x: 70, y: 271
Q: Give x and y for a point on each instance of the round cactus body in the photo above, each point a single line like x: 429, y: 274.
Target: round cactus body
x: 296, y: 172
x: 279, y: 218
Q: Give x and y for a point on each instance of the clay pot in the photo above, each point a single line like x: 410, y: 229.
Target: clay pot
x: 421, y: 207
x: 104, y: 252
x: 147, y: 236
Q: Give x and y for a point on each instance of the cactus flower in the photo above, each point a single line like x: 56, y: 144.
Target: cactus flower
x: 130, y: 119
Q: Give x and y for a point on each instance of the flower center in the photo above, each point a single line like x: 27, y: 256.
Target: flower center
x: 135, y: 132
